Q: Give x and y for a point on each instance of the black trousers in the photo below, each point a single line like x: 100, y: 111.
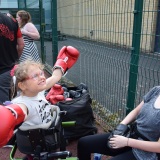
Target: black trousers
x: 5, y: 86
x: 98, y: 144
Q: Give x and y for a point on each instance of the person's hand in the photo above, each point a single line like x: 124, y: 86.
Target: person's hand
x: 118, y: 141
x: 122, y: 130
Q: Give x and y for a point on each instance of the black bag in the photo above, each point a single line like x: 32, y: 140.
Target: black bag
x: 78, y: 109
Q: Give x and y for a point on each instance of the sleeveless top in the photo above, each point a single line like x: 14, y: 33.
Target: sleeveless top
x: 148, y: 123
x: 30, y: 50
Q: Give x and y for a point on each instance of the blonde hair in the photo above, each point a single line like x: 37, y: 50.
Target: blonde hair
x: 21, y: 73
x: 25, y: 17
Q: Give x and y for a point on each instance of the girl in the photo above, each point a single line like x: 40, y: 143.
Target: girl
x: 147, y: 117
x: 31, y: 107
x: 30, y: 33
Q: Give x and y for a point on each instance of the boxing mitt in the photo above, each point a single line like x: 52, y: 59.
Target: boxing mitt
x: 55, y: 90
x: 122, y: 130
x: 66, y: 58
x: 10, y: 116
x: 53, y: 99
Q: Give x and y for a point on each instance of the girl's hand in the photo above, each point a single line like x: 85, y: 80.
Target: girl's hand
x: 118, y: 141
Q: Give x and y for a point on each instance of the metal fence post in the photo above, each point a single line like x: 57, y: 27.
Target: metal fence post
x: 138, y: 9
x: 42, y: 28
x: 54, y: 30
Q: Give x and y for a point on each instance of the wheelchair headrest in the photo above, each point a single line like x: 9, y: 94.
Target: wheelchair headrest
x: 54, y: 122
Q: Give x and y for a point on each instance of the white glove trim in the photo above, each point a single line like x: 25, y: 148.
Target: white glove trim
x: 13, y: 111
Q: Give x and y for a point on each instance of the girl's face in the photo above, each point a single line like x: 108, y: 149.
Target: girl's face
x: 34, y: 83
x: 18, y: 18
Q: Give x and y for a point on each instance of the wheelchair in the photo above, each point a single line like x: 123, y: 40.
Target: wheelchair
x: 43, y: 142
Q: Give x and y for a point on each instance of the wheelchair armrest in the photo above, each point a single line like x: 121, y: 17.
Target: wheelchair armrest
x: 68, y: 124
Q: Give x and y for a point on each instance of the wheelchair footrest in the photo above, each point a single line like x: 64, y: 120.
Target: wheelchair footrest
x: 70, y: 158
x: 61, y: 154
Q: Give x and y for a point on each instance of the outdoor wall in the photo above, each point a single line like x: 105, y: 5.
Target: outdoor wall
x: 107, y: 21
x: 149, y: 25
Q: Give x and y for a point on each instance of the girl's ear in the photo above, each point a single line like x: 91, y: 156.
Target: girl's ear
x: 21, y: 86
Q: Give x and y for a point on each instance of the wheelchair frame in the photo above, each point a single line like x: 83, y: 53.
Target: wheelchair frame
x: 57, y: 155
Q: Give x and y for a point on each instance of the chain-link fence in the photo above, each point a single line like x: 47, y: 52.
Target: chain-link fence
x: 119, y: 45
x: 119, y: 42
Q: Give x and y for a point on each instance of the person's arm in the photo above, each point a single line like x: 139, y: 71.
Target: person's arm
x: 118, y: 141
x: 132, y: 115
x: 56, y: 76
x: 20, y: 46
x: 66, y: 58
x: 144, y: 145
x: 20, y: 42
x: 31, y: 31
x: 121, y: 141
x: 122, y: 128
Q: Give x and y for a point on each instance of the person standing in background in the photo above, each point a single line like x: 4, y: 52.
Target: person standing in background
x: 30, y: 33
x: 11, y: 47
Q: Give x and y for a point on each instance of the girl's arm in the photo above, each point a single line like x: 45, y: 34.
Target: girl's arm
x: 132, y: 115
x: 31, y: 31
x: 56, y: 76
x: 66, y: 58
x: 144, y: 145
x: 121, y: 141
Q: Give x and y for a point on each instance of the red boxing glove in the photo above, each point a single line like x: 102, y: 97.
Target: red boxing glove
x: 10, y: 116
x: 55, y: 90
x: 56, y: 98
x: 66, y: 58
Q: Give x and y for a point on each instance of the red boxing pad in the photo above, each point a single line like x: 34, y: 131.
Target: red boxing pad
x: 7, y: 124
x: 18, y: 111
x: 10, y: 116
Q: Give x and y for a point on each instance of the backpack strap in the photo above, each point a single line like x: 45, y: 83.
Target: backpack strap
x: 135, y: 133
